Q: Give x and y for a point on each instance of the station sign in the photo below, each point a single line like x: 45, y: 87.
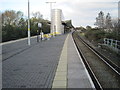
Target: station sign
x: 39, y: 24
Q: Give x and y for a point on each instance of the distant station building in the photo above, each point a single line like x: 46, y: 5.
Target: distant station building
x: 56, y: 22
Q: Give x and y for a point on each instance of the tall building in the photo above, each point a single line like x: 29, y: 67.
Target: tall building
x: 56, y: 22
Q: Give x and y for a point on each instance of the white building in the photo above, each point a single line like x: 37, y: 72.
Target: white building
x: 56, y: 22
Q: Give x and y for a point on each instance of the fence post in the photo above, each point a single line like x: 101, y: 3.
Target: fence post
x: 107, y: 42
x: 104, y: 41
x: 115, y: 44
x: 112, y: 43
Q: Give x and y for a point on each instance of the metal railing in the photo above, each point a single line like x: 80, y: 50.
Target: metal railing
x: 113, y: 44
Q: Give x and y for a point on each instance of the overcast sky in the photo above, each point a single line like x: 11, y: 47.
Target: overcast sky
x: 81, y: 12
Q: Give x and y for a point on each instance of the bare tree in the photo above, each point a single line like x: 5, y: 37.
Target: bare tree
x: 11, y: 17
x: 100, y: 20
x: 37, y: 15
x: 8, y: 17
x: 114, y: 22
x: 108, y: 21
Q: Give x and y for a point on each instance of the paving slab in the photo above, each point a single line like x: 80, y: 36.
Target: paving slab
x: 71, y: 72
x: 49, y: 64
x: 34, y: 67
x: 61, y: 81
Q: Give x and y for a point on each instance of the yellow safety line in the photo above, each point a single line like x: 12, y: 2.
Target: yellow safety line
x: 60, y: 79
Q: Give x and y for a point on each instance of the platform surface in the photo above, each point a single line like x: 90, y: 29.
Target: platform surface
x: 53, y: 63
x: 78, y: 76
x: 31, y: 66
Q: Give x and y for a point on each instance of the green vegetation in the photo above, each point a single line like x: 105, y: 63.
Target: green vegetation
x: 97, y: 35
x: 67, y: 25
x: 14, y: 25
x: 106, y: 28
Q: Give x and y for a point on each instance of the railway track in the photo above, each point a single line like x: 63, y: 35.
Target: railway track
x: 103, y: 73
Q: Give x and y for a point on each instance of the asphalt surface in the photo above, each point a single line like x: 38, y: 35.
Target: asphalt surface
x: 32, y: 66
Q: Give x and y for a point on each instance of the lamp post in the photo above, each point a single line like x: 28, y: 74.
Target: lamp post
x: 51, y: 13
x: 28, y: 24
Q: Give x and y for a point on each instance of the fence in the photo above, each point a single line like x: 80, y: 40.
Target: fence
x: 113, y: 44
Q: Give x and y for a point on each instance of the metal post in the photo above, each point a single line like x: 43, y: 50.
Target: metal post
x: 41, y: 35
x: 40, y: 29
x: 28, y: 24
x: 107, y: 42
x: 112, y: 43
x: 55, y: 29
x: 37, y: 35
x: 115, y: 44
x: 104, y: 41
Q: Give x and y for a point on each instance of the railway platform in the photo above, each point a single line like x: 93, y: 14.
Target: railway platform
x: 53, y: 63
x: 71, y: 71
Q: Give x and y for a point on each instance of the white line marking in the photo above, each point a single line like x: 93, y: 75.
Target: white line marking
x: 16, y: 40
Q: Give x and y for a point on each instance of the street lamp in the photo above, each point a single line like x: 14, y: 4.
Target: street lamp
x: 50, y: 12
x: 50, y: 6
